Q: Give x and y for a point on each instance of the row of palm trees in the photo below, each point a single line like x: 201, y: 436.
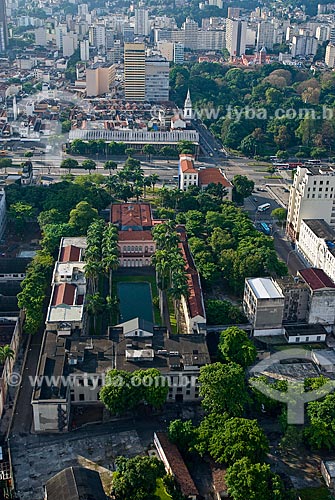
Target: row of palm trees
x: 170, y: 264
x: 101, y: 258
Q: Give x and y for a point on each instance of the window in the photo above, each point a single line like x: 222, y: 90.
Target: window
x: 307, y: 339
x: 81, y: 397
x: 318, y: 338
x: 81, y: 382
x: 297, y: 339
x: 188, y: 392
x: 179, y: 389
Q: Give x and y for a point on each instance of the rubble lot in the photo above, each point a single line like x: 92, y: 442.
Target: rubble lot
x: 34, y: 464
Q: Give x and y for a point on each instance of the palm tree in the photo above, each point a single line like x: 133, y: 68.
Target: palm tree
x: 112, y: 306
x: 154, y: 178
x: 92, y: 271
x: 110, y: 252
x: 95, y: 305
x: 6, y: 353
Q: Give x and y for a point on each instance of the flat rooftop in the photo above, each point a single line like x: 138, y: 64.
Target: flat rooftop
x: 265, y: 288
x: 321, y: 228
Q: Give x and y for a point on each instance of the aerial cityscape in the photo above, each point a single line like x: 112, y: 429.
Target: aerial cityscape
x: 167, y: 250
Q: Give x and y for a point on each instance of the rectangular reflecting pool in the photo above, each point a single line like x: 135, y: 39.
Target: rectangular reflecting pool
x: 135, y: 301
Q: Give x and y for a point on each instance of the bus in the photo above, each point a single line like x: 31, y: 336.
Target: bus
x: 263, y: 208
x: 282, y: 166
x: 265, y: 228
x: 313, y: 162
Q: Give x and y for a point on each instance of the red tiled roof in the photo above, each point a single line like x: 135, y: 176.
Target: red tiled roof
x: 125, y: 236
x: 70, y: 253
x: 131, y: 214
x: 194, y: 299
x: 187, y: 164
x: 316, y: 278
x: 177, y: 465
x: 64, y: 294
x: 214, y: 175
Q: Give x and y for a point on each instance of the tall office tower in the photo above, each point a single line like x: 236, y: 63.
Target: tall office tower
x: 41, y: 36
x: 265, y: 35
x: 330, y: 56
x: 128, y: 34
x: 178, y: 53
x: 157, y: 80
x: 109, y: 38
x: 99, y: 78
x: 142, y: 26
x: 134, y: 71
x: 82, y: 9
x: 312, y: 196
x: 3, y: 27
x: 84, y: 50
x: 236, y: 31
x: 190, y: 29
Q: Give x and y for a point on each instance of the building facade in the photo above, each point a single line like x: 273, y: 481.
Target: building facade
x: 99, y: 78
x: 134, y: 71
x: 157, y: 80
x: 236, y: 33
x: 312, y: 193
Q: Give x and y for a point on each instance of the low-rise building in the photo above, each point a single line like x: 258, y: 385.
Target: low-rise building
x: 305, y: 334
x: 72, y: 368
x: 263, y: 305
x: 175, y: 465
x: 66, y: 309
x: 75, y: 483
x: 136, y: 244
x: 189, y: 175
x: 321, y: 304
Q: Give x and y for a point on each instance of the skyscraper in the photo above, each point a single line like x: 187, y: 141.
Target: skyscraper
x: 3, y: 27
x: 134, y: 71
x: 236, y: 31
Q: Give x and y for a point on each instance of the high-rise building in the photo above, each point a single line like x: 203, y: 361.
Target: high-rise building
x: 142, y: 26
x: 216, y: 3
x: 3, y: 26
x: 99, y: 78
x: 128, y: 34
x: 134, y: 71
x: 178, y: 53
x: 70, y: 44
x: 312, y: 196
x: 97, y: 36
x: 304, y: 45
x: 190, y: 29
x: 330, y: 56
x: 157, y: 80
x: 265, y: 35
x: 236, y: 30
x: 60, y: 31
x: 211, y: 39
x: 84, y: 50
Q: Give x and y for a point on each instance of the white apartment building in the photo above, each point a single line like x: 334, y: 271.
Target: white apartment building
x: 312, y: 195
x: 84, y: 50
x: 157, y: 80
x: 265, y: 35
x: 142, y: 26
x: 330, y: 56
x: 166, y: 49
x: 70, y: 44
x: 317, y: 245
x: 97, y: 36
x: 304, y: 45
x: 211, y: 40
x: 41, y: 36
x: 236, y: 31
x: 190, y: 29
